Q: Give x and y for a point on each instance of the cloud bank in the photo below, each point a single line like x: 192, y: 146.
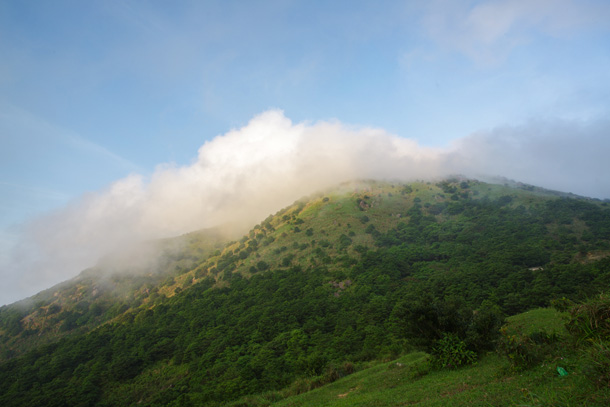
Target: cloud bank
x: 241, y: 177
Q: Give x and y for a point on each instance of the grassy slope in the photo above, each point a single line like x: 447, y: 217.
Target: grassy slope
x: 547, y: 319
x: 409, y: 380
x: 334, y: 213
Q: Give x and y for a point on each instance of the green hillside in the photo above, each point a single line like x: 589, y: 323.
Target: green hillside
x: 121, y: 282
x: 345, y: 279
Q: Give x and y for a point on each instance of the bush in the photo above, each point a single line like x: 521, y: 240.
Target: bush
x: 525, y: 350
x: 262, y: 266
x: 483, y: 329
x: 589, y: 324
x: 597, y: 367
x: 324, y: 243
x: 451, y: 352
x: 591, y: 320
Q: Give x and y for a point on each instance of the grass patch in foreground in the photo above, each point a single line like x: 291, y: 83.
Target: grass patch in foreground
x: 404, y: 382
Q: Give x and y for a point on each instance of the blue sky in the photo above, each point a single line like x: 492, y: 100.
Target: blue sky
x: 100, y: 94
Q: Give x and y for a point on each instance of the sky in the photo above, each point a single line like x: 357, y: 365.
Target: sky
x: 132, y: 120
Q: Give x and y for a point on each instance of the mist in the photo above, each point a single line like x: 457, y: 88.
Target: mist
x: 242, y: 176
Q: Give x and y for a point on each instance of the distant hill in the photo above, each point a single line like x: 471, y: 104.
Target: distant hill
x: 366, y: 271
x: 120, y: 282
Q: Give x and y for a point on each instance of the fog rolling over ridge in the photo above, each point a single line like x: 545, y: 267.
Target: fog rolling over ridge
x: 241, y: 177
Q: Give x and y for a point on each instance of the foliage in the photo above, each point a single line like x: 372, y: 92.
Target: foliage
x: 597, y: 359
x: 591, y: 320
x: 589, y: 324
x: 451, y: 352
x: 524, y: 350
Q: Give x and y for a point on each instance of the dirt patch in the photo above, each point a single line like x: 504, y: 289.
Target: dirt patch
x: 457, y: 390
x: 594, y: 256
x: 345, y: 394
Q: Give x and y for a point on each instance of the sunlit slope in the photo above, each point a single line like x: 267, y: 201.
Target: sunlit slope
x: 331, y: 228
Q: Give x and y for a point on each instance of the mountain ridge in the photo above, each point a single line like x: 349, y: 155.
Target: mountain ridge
x: 336, y: 276
x: 205, y: 249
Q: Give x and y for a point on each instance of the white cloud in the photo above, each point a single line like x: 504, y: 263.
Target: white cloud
x: 248, y: 173
x: 562, y: 155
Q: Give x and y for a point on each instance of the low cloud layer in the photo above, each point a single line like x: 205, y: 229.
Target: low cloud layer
x: 241, y: 177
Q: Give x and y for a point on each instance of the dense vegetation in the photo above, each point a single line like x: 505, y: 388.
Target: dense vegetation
x: 340, y: 279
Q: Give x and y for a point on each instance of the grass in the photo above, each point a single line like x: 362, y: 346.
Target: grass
x: 548, y: 319
x: 484, y: 384
x: 410, y: 380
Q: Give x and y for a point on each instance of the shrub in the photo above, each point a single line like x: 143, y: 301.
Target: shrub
x: 562, y: 304
x: 451, y: 352
x: 589, y: 325
x: 591, y: 320
x: 483, y: 328
x: 344, y: 241
x: 597, y: 364
x: 287, y: 260
x: 525, y: 350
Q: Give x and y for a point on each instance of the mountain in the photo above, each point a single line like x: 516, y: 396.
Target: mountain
x: 366, y: 271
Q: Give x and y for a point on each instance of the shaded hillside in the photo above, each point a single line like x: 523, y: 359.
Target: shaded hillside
x: 369, y: 270
x: 120, y: 282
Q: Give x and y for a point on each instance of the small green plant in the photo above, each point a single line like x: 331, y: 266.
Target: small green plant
x: 597, y: 368
x: 590, y: 325
x: 451, y: 352
x: 562, y: 304
x: 525, y: 350
x: 591, y: 320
